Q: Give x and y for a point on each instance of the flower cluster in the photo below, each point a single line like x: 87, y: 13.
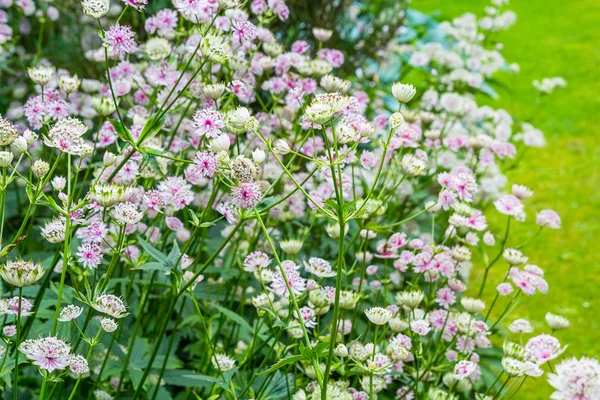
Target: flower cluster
x: 280, y: 226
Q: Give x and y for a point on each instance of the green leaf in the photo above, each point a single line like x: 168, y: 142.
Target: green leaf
x: 153, y: 266
x: 283, y: 362
x: 153, y: 252
x: 122, y: 131
x: 234, y: 317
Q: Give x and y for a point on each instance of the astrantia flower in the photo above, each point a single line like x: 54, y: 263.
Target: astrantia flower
x: 90, y: 255
x: 223, y: 362
x: 542, y: 348
x: 256, y: 261
x: 78, y: 365
x: 291, y: 246
x: 514, y: 257
x: 95, y: 8
x: 509, y: 205
x: 66, y: 135
x: 464, y: 369
x: 119, y: 39
x: 378, y: 315
x: 8, y: 132
x: 473, y: 306
x: 110, y: 305
x: 41, y: 74
x: 576, y: 379
x: 21, y: 273
x: 11, y: 306
x: 410, y: 299
x: 109, y: 325
x: 205, y: 165
x: 47, y: 353
x: 69, y: 313
x: 126, y: 214
x: 296, y: 282
x: 556, y: 322
x: 420, y: 327
x: 403, y: 92
x: 513, y: 367
x: 548, y: 218
x: 247, y: 195
x: 319, y: 267
x: 137, y: 4
x: 208, y: 122
x: 520, y: 326
x: 54, y: 231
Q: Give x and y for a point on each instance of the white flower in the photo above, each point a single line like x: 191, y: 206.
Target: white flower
x: 403, y: 92
x: 378, y: 315
x: 95, y: 8
x: 556, y: 322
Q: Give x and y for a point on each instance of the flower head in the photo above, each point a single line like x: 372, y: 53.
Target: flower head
x: 21, y: 273
x: 49, y: 353
x: 110, y: 305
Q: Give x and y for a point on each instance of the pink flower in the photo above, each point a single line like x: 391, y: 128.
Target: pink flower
x: 247, y: 195
x: 542, y: 348
x: 504, y: 289
x: 90, y: 255
x: 445, y: 297
x: 509, y: 205
x: 47, y: 353
x: 548, y: 218
x: 205, y: 165
x: 256, y: 261
x: 420, y: 327
x: 120, y: 39
x: 208, y: 122
x: 464, y: 369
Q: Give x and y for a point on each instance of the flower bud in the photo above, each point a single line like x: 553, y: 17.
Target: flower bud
x: 556, y: 322
x: 281, y: 147
x: 40, y: 168
x: 19, y: 145
x: 103, y: 106
x: 238, y: 120
x: 472, y: 305
x: 403, y: 92
x: 6, y: 158
x: 396, y: 120
x: 322, y: 34
x: 291, y: 247
x: 214, y: 90
x: 259, y: 156
x: 109, y: 159
x: 378, y: 315
x: 69, y: 84
x: 109, y: 325
x: 29, y: 136
x: 461, y: 253
x: 341, y: 350
x: 41, y: 74
x: 220, y: 143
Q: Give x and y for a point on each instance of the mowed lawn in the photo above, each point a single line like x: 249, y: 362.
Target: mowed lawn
x: 554, y: 38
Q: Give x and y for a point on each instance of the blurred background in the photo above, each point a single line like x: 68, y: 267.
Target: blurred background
x: 555, y: 38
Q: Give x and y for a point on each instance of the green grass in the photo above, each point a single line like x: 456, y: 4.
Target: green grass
x: 555, y: 38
